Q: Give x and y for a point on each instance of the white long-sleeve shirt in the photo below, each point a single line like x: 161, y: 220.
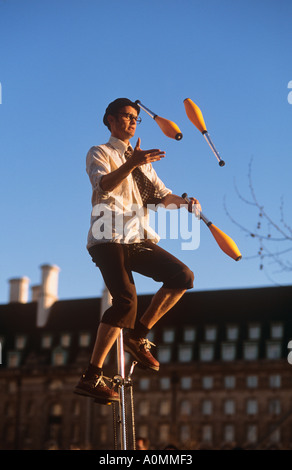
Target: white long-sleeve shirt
x: 118, y: 215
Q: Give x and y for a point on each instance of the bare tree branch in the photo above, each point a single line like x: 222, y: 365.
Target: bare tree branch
x: 267, y: 232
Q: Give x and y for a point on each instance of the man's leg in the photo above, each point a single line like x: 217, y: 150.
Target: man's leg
x: 92, y: 382
x: 112, y: 262
x: 161, y: 303
x: 105, y: 339
x: 152, y: 261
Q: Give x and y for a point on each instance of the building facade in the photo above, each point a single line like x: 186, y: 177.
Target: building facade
x: 225, y: 379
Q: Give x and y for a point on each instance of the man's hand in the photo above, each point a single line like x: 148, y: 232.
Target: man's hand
x: 172, y: 200
x: 141, y: 157
x: 194, y: 206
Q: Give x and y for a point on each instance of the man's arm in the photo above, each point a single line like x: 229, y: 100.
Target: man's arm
x: 139, y: 157
x: 174, y: 200
x: 112, y: 180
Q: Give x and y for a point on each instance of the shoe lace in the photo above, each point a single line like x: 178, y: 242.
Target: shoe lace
x: 147, y: 344
x: 100, y: 381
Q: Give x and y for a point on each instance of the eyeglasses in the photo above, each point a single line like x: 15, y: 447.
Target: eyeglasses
x: 129, y: 117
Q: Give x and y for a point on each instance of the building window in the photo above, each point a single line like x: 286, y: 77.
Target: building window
x: 56, y: 410
x: 186, y: 383
x: 228, y: 432
x: 185, y: 433
x: 144, y: 408
x: 250, y: 351
x: 164, y: 354
x: 189, y: 335
x: 207, y: 407
x: 232, y: 332
x: 168, y: 335
x: 20, y: 342
x: 165, y: 407
x: 207, y: 433
x: 277, y: 330
x: 143, y: 431
x: 229, y: 407
x: 144, y: 383
x: 164, y: 432
x: 103, y: 430
x: 251, y: 406
x: 185, y: 408
x: 273, y: 350
x: 84, y: 340
x: 165, y: 383
x: 254, y: 331
x: 207, y: 382
x: 228, y: 351
x: 13, y: 359
x: 65, y: 340
x: 252, y: 381
x: 206, y: 352
x: 55, y: 386
x: 185, y: 353
x: 55, y: 422
x: 210, y: 333
x: 252, y: 433
x: 275, y: 436
x: 275, y: 381
x: 275, y: 406
x: 229, y: 381
x: 47, y: 341
x: 59, y: 357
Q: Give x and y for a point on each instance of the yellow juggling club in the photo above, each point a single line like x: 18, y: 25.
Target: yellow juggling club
x: 224, y: 241
x: 196, y: 117
x: 169, y: 128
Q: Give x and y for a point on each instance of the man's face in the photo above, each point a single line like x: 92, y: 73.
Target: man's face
x: 123, y: 124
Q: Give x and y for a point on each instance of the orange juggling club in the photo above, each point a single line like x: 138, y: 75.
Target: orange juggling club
x: 224, y: 241
x: 169, y: 128
x: 196, y: 117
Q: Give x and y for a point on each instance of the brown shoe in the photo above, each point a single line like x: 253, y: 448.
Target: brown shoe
x: 140, y: 350
x: 95, y: 387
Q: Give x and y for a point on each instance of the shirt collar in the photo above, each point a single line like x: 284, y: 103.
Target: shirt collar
x: 118, y: 144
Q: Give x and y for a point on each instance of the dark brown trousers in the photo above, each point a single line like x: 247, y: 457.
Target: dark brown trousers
x: 117, y: 261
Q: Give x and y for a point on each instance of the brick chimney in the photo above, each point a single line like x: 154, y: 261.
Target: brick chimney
x: 18, y: 290
x: 48, y: 292
x: 35, y: 292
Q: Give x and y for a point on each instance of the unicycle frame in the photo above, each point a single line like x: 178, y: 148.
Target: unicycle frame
x: 123, y: 383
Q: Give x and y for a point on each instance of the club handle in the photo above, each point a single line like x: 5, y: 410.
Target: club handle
x: 202, y: 216
x: 213, y: 148
x: 147, y: 110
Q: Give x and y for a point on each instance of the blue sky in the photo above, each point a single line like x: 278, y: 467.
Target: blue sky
x: 63, y: 61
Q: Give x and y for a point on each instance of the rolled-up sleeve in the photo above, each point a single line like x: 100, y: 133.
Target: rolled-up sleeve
x: 97, y: 165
